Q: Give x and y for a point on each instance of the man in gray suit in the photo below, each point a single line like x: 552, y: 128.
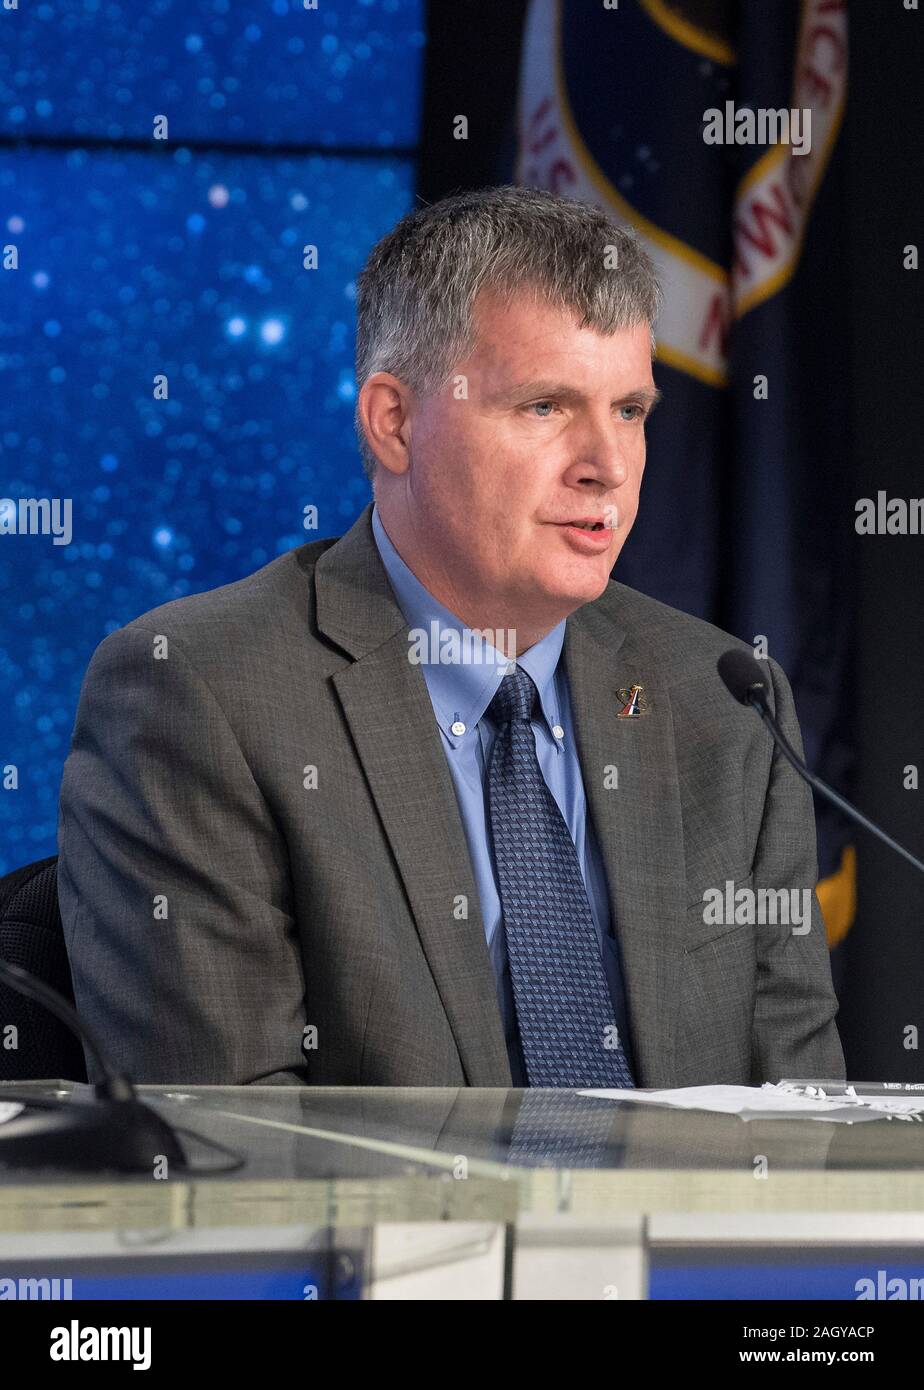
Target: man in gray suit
x: 438, y: 803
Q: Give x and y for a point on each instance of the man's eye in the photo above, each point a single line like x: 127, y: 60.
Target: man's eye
x: 541, y: 405
x: 639, y: 409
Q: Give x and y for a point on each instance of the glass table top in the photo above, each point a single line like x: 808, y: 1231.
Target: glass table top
x: 356, y: 1155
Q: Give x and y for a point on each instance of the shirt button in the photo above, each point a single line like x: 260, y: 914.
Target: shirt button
x: 558, y: 731
x: 458, y: 728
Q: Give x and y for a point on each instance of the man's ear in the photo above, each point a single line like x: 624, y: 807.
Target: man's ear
x: 384, y: 410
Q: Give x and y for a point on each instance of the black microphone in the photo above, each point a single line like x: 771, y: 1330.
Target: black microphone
x: 744, y: 678
x: 111, y: 1130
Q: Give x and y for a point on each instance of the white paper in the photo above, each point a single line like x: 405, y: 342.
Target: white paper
x: 774, y: 1102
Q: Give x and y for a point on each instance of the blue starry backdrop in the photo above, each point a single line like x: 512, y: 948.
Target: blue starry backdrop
x: 140, y: 259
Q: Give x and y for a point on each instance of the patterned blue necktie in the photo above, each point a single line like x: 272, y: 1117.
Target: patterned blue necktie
x: 564, y: 1010
x: 562, y: 1130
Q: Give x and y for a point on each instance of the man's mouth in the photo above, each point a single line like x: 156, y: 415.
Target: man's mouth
x: 587, y: 535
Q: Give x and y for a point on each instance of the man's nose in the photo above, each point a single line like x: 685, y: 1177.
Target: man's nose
x: 599, y: 457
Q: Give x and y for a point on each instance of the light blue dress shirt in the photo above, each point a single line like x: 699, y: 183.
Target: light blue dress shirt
x: 460, y: 692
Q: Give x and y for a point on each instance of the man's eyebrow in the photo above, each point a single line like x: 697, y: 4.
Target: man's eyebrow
x: 535, y: 390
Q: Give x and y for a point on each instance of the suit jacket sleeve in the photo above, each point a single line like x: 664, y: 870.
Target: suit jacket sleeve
x: 173, y: 880
x: 794, y: 1030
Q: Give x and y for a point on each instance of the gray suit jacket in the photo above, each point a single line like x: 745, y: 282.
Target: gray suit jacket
x: 216, y: 903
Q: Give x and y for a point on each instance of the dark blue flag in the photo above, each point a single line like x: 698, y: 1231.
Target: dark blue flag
x: 711, y: 127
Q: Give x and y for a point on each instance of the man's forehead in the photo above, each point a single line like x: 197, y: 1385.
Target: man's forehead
x: 524, y: 343
x: 521, y: 326
x: 499, y: 313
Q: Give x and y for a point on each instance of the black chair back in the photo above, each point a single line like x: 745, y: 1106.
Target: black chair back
x: 34, y: 1045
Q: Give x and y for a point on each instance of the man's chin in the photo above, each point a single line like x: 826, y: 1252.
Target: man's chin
x: 590, y: 584
x: 591, y: 593
x: 570, y: 593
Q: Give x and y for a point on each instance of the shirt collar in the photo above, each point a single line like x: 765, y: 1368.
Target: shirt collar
x: 461, y: 690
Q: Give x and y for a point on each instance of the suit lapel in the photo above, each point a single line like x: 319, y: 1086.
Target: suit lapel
x: 387, y: 706
x: 637, y: 823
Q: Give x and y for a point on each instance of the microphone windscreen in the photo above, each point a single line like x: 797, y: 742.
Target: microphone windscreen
x: 743, y: 676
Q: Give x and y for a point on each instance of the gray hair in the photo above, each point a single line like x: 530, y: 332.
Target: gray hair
x: 416, y: 294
